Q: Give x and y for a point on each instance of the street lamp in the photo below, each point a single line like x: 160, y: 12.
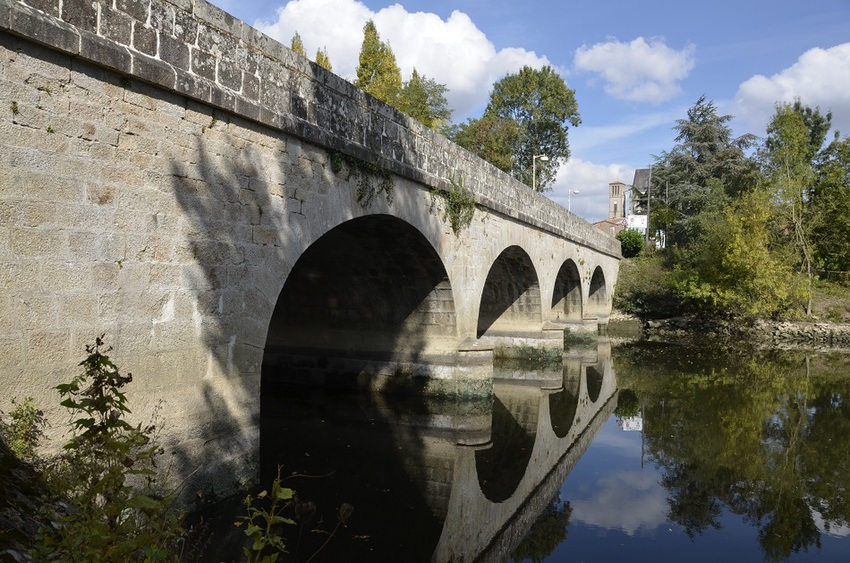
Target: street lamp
x: 569, y: 199
x: 534, y: 160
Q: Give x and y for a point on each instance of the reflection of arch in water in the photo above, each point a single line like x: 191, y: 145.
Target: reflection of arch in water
x: 502, y: 466
x: 566, y: 298
x: 594, y: 375
x: 564, y: 404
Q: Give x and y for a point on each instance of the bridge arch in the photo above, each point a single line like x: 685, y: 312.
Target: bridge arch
x: 597, y: 299
x: 372, y: 287
x: 510, y: 298
x: 566, y: 298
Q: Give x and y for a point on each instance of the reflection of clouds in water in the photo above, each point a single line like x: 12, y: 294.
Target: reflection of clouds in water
x: 624, y: 500
x: 835, y: 529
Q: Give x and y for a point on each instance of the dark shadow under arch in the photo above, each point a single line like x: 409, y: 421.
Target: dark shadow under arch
x: 597, y: 299
x: 510, y: 299
x: 372, y: 288
x: 566, y: 298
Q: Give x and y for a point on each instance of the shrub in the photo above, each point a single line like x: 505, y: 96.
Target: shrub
x: 24, y: 428
x: 107, y: 476
x: 631, y: 241
x: 645, y: 288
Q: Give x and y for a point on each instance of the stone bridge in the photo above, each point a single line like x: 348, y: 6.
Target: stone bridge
x: 226, y: 212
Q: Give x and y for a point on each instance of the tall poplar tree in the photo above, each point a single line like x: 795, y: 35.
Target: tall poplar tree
x: 794, y: 138
x: 378, y: 73
x: 297, y: 45
x: 323, y: 60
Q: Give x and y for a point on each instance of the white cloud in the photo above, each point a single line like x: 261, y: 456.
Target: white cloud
x: 629, y: 501
x: 454, y: 51
x: 640, y: 71
x: 820, y: 77
x: 591, y: 180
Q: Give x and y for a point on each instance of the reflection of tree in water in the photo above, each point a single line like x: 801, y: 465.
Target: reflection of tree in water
x: 769, y: 438
x: 547, y: 533
x: 628, y: 404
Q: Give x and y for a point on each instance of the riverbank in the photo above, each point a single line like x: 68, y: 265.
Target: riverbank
x: 762, y: 333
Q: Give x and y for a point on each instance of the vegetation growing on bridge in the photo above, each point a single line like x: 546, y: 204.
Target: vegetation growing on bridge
x: 460, y: 205
x: 372, y: 179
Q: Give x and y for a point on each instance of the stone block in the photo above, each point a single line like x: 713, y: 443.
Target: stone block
x: 145, y: 39
x: 105, y: 52
x: 116, y: 26
x: 174, y: 51
x: 34, y: 243
x: 203, y: 64
x: 155, y: 71
x: 82, y: 15
x: 137, y: 9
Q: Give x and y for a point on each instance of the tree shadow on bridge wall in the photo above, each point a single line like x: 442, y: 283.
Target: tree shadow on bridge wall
x: 371, y: 284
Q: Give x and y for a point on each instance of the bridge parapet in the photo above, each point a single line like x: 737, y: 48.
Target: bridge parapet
x: 197, y: 50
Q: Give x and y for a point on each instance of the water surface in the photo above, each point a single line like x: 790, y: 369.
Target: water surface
x: 644, y: 452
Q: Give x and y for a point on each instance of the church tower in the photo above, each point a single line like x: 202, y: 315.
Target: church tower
x: 616, y: 199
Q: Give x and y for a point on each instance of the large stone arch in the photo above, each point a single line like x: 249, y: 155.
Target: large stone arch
x: 510, y: 298
x: 371, y: 288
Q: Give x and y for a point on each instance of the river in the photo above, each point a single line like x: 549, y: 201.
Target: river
x: 635, y: 451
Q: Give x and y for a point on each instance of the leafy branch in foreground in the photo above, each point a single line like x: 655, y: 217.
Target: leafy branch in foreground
x: 107, y: 475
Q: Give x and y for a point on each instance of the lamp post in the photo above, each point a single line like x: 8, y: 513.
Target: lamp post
x: 534, y: 160
x: 569, y: 199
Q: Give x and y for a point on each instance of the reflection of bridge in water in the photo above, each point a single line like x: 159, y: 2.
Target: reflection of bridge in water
x: 467, y: 481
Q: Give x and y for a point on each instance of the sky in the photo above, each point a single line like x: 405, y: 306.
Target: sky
x: 635, y: 67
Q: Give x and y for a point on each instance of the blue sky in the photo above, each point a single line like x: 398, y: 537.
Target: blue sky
x: 636, y: 67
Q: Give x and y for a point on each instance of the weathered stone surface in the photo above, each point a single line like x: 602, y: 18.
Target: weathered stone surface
x: 168, y: 205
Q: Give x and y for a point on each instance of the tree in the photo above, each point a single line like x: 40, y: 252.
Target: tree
x: 830, y: 221
x: 632, y: 242
x: 323, y: 60
x: 297, y: 45
x: 491, y: 138
x: 794, y: 136
x: 705, y: 151
x: 424, y: 99
x: 731, y: 271
x: 542, y: 107
x: 378, y: 73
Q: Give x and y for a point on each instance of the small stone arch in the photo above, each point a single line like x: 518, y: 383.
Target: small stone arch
x: 566, y: 298
x: 510, y: 298
x: 597, y: 299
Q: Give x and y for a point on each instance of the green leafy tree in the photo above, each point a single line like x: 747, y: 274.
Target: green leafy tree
x: 323, y: 59
x: 297, y: 45
x: 830, y: 220
x: 631, y: 241
x: 378, y: 73
x: 705, y: 151
x: 424, y: 99
x: 542, y: 108
x: 490, y: 138
x: 794, y: 137
x: 731, y: 270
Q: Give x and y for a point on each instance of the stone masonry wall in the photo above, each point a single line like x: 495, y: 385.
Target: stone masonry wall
x: 161, y: 164
x: 195, y: 49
